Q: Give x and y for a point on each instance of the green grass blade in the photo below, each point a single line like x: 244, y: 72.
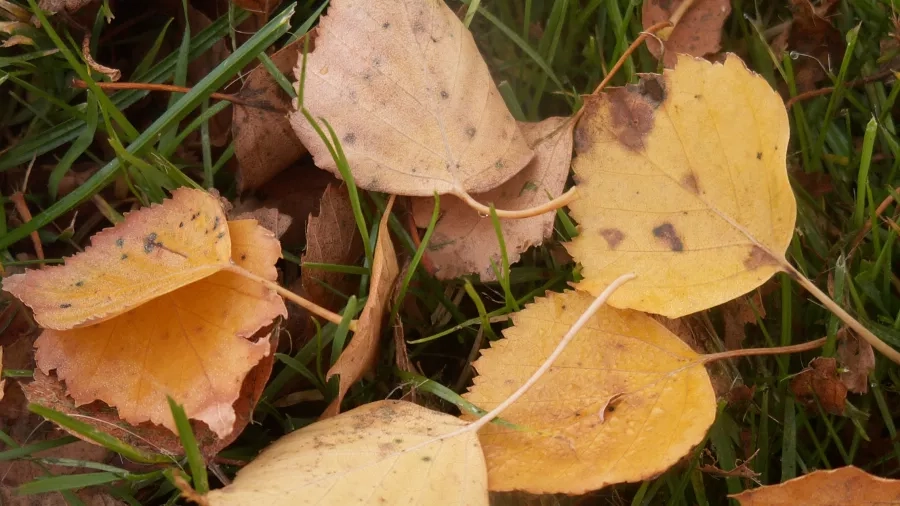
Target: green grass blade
x: 191, y: 449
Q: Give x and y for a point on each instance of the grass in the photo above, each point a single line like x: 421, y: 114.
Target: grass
x: 544, y: 54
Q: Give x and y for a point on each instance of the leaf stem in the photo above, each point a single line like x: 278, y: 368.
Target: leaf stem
x: 838, y: 311
x: 552, y: 205
x: 306, y: 304
x: 751, y: 352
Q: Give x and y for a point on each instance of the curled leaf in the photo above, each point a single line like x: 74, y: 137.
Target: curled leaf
x: 624, y: 402
x: 385, y: 452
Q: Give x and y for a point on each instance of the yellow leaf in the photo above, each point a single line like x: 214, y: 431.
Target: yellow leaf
x: 385, y: 452
x: 835, y: 487
x: 411, y: 100
x: 682, y: 180
x: 191, y: 343
x: 465, y: 242
x: 360, y: 354
x: 156, y: 250
x: 624, y: 402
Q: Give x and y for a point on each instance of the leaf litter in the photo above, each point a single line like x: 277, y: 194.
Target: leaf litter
x: 697, y: 31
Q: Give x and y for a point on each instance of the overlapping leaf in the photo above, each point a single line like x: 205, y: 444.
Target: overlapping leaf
x: 625, y: 401
x: 410, y: 99
x: 385, y: 452
x: 682, y: 180
x: 845, y: 485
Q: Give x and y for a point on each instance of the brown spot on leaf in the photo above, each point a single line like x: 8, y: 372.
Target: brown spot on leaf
x: 757, y: 258
x: 613, y: 236
x: 667, y: 234
x: 350, y: 139
x: 690, y: 182
x: 632, y: 109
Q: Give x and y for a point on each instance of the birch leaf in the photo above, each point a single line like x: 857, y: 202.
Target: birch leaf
x: 411, y: 100
x: 465, y: 242
x: 625, y: 401
x: 835, y: 487
x: 385, y: 452
x: 156, y: 250
x: 682, y: 180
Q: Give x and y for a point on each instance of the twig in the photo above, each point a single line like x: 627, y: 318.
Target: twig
x: 750, y: 352
x: 171, y: 88
x: 824, y: 91
x: 634, y: 45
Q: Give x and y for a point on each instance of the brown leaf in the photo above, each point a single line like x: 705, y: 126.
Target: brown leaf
x: 811, y: 35
x: 411, y: 100
x: 820, y: 383
x: 258, y: 6
x: 54, y: 6
x: 858, y: 358
x: 264, y: 142
x: 331, y: 238
x: 198, y: 68
x: 50, y: 392
x: 698, y: 33
x: 737, y: 314
x: 836, y: 487
x: 268, y: 218
x: 465, y: 242
x: 359, y: 356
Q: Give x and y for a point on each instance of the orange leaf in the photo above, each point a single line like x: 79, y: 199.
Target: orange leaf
x: 360, y: 354
x: 836, y: 487
x: 190, y: 343
x: 155, y: 251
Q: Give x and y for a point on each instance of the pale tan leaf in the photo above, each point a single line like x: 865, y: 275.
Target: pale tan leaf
x: 411, y: 100
x: 465, y: 242
x: 385, y: 452
x: 835, y: 487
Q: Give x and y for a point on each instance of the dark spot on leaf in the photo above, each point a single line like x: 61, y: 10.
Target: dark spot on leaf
x: 398, y: 440
x: 470, y: 132
x: 418, y: 27
x: 221, y: 235
x: 123, y: 257
x: 243, y: 256
x: 181, y: 225
x: 653, y: 89
x: 65, y: 306
x: 426, y: 458
x: 80, y: 283
x: 757, y: 258
x: 698, y: 97
x: 376, y: 61
x: 666, y: 232
x: 759, y: 155
x: 632, y: 114
x: 120, y: 242
x: 498, y: 164
x: 445, y: 95
x: 613, y: 236
x: 195, y: 216
x: 689, y: 181
x: 149, y: 242
x: 349, y: 139
x: 216, y: 222
x: 385, y: 25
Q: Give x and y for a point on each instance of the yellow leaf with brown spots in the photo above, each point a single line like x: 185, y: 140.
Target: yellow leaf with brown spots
x: 385, y: 452
x: 156, y: 250
x: 682, y: 180
x: 625, y: 401
x: 833, y: 487
x: 191, y: 344
x: 411, y: 100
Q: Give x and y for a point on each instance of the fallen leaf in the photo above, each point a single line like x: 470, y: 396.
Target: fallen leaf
x: 258, y: 6
x: 2, y: 381
x: 154, y: 251
x: 191, y: 344
x: 682, y: 180
x: 737, y: 314
x: 818, y: 43
x: 50, y: 392
x: 820, y: 385
x: 359, y: 356
x: 331, y: 238
x: 385, y: 452
x: 200, y: 67
x: 54, y: 6
x: 858, y: 360
x: 264, y: 142
x: 625, y: 401
x: 411, y: 100
x: 835, y: 487
x: 465, y: 242
x: 268, y: 218
x: 697, y: 33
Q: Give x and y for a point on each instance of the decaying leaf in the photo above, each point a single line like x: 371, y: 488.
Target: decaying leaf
x: 264, y: 143
x: 2, y: 381
x: 258, y: 6
x: 737, y: 314
x: 682, y: 180
x: 54, y: 6
x: 623, y: 402
x: 359, y: 356
x: 269, y: 218
x: 819, y: 385
x: 465, y: 242
x: 697, y: 33
x: 331, y: 238
x: 191, y: 344
x: 385, y: 452
x: 411, y: 100
x: 858, y: 360
x: 819, y: 45
x: 154, y: 251
x: 835, y: 487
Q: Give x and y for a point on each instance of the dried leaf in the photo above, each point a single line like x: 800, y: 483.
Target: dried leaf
x: 331, y: 238
x: 268, y: 218
x: 410, y: 99
x: 698, y: 33
x: 385, y: 452
x: 682, y: 180
x: 200, y: 67
x: 737, y: 314
x: 359, y: 356
x: 258, y: 6
x: 154, y: 251
x: 858, y: 359
x: 54, y: 6
x: 625, y: 401
x: 835, y: 487
x: 2, y: 381
x: 264, y: 143
x: 819, y: 384
x: 465, y: 242
x: 812, y: 35
x: 191, y: 344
